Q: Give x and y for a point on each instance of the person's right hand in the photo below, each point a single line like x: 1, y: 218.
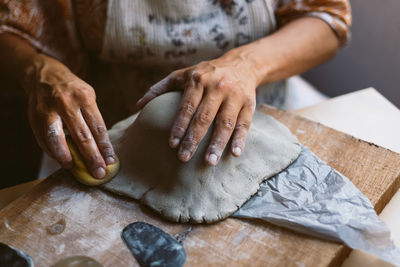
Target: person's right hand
x: 55, y: 97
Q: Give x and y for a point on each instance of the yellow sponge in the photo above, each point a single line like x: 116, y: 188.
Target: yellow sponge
x: 82, y: 174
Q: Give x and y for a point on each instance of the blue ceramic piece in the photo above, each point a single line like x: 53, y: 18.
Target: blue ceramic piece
x: 152, y: 246
x: 12, y: 257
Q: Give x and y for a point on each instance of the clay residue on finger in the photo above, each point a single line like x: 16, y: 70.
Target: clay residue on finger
x: 54, y: 133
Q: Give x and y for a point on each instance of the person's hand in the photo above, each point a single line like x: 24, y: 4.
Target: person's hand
x: 56, y: 97
x: 223, y: 89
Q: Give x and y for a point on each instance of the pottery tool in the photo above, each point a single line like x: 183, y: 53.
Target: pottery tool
x: 151, y: 246
x: 12, y: 257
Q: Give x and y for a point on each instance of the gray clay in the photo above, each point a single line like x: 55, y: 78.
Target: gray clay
x: 192, y: 191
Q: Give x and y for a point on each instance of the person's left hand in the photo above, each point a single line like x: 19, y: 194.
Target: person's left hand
x: 224, y: 89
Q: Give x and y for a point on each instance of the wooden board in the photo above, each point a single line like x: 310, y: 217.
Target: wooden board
x: 61, y: 218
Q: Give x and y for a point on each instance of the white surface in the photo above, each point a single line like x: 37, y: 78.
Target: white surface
x: 302, y: 94
x: 365, y: 114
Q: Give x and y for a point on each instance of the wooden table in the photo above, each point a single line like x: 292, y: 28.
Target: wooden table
x: 89, y: 220
x: 367, y: 115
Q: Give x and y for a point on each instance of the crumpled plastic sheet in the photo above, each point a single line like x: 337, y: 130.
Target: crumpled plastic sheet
x: 312, y: 198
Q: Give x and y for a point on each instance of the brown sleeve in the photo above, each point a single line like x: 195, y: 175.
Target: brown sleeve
x: 47, y: 25
x: 336, y: 13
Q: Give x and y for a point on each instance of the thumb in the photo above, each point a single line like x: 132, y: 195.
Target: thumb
x: 165, y: 85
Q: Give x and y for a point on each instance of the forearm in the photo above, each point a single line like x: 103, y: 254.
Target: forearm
x: 295, y: 48
x: 17, y: 55
x: 57, y: 98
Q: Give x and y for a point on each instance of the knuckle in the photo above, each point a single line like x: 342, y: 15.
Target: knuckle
x: 177, y: 77
x: 203, y: 118
x: 178, y: 131
x: 52, y: 134
x: 195, y: 76
x: 94, y: 160
x: 190, y: 142
x: 59, y: 152
x: 106, y: 149
x: 188, y: 108
x: 65, y: 104
x: 87, y: 90
x: 174, y: 74
x: 198, y: 77
x: 62, y: 100
x: 158, y: 86
x: 226, y: 123
x: 189, y: 145
x: 81, y: 89
x: 243, y: 126
x: 69, y: 114
x: 153, y: 89
x: 217, y: 144
x: 100, y: 130
x: 108, y: 152
x: 250, y: 102
x: 236, y: 93
x: 86, y: 96
x: 83, y: 135
x: 222, y: 85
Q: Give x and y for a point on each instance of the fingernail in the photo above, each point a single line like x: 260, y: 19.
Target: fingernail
x: 212, y: 158
x: 99, y: 173
x: 110, y: 160
x: 185, y: 155
x: 174, y: 142
x: 237, y: 151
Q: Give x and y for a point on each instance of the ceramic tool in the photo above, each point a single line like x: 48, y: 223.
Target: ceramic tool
x: 151, y: 246
x: 10, y: 256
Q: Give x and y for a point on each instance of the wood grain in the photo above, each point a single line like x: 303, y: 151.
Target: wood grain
x: 94, y: 219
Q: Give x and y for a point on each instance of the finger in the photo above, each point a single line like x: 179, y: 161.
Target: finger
x: 85, y: 142
x: 54, y: 140
x: 96, y: 124
x: 163, y: 86
x: 188, y: 106
x: 241, y: 129
x: 198, y: 126
x: 223, y: 128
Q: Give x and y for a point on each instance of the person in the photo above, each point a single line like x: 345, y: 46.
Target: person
x: 75, y: 58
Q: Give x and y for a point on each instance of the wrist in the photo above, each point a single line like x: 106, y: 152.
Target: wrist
x: 247, y: 56
x: 41, y: 68
x: 240, y: 58
x: 28, y: 74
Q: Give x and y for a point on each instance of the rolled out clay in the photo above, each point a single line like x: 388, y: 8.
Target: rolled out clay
x: 193, y: 191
